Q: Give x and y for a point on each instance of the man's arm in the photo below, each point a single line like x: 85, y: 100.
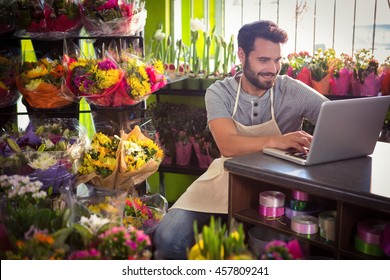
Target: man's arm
x: 231, y: 144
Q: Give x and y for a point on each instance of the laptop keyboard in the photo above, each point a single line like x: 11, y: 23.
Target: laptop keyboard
x: 296, y: 153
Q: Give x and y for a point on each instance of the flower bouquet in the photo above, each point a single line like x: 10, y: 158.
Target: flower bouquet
x: 41, y: 84
x: 8, y: 91
x: 141, y: 79
x: 366, y: 79
x: 7, y: 16
x: 48, y: 19
x: 299, y: 67
x: 94, y: 79
x: 46, y: 152
x: 144, y: 212
x: 120, y: 162
x: 113, y: 17
x: 140, y: 158
x: 340, y: 74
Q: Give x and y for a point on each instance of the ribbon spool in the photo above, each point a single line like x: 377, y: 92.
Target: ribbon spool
x: 299, y: 195
x: 369, y: 249
x: 327, y: 224
x: 304, y: 224
x: 298, y: 205
x: 312, y: 210
x: 272, y: 199
x: 271, y: 211
x: 369, y: 231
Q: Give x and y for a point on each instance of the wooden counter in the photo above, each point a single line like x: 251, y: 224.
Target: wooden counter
x: 357, y: 188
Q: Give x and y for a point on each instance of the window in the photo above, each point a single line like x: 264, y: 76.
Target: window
x: 345, y: 25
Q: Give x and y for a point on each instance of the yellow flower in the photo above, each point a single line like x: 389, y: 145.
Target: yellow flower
x: 107, y: 79
x: 34, y: 84
x: 195, y: 252
x: 36, y: 72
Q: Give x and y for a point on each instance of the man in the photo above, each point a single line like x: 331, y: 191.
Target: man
x: 246, y: 113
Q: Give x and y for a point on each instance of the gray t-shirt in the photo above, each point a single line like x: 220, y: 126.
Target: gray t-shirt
x: 293, y: 101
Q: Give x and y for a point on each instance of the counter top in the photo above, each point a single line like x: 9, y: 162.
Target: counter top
x: 362, y: 180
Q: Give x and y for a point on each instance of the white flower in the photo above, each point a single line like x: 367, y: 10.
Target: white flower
x: 93, y: 223
x: 48, y: 143
x: 43, y: 162
x: 197, y: 25
x: 159, y: 35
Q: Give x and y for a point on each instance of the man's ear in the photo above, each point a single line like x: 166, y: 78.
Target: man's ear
x: 241, y: 55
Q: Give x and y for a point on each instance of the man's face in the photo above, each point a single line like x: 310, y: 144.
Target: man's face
x: 263, y: 64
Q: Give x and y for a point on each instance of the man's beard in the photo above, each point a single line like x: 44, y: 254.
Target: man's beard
x: 253, y: 78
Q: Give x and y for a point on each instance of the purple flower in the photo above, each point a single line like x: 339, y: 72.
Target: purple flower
x: 107, y: 65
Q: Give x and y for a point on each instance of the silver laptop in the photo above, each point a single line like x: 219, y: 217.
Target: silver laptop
x: 345, y: 129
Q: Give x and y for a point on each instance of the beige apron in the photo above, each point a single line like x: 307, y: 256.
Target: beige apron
x: 209, y: 193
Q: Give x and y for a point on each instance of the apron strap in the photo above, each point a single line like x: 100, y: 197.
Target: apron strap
x: 238, y: 95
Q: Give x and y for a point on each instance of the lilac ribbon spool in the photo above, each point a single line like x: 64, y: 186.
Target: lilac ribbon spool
x: 272, y: 199
x: 271, y: 211
x: 299, y: 195
x: 369, y: 231
x: 304, y: 224
x: 290, y: 213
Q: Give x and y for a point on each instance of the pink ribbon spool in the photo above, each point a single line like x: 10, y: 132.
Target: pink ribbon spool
x: 299, y: 195
x: 272, y: 199
x: 369, y: 231
x: 271, y: 211
x: 304, y: 224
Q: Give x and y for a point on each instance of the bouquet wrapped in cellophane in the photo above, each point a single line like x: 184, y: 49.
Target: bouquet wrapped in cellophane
x: 144, y: 212
x: 94, y: 79
x: 41, y: 83
x: 119, y: 162
x: 48, y: 19
x: 47, y: 151
x: 9, y: 94
x: 113, y: 17
x: 140, y: 80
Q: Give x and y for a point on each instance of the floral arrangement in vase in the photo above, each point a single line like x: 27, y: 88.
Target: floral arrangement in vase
x: 214, y: 244
x: 48, y: 18
x: 47, y: 151
x: 299, y: 67
x: 113, y: 17
x: 40, y: 83
x: 385, y: 70
x: 144, y: 212
x: 366, y: 79
x: 319, y: 68
x: 341, y: 69
x: 8, y: 90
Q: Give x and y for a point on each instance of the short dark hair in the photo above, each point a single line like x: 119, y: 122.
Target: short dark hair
x: 265, y: 29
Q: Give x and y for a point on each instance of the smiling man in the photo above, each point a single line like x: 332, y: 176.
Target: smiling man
x: 255, y: 109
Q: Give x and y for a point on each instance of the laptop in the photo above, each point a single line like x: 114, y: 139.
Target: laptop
x: 345, y: 129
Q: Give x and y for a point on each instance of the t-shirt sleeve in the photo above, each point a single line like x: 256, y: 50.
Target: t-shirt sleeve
x: 216, y: 104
